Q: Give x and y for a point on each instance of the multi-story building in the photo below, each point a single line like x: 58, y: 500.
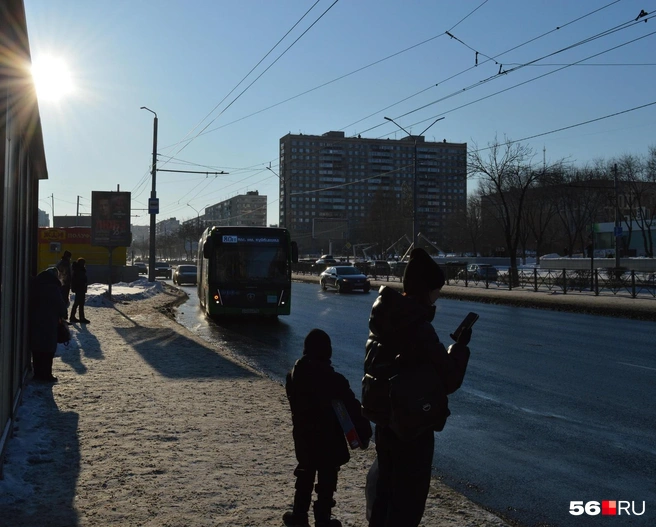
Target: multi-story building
x: 246, y: 209
x: 167, y: 227
x: 44, y: 219
x: 334, y: 187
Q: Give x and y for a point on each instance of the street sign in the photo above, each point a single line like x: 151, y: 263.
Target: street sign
x: 618, y: 230
x: 153, y: 205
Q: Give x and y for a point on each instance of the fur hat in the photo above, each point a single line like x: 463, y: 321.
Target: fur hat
x: 317, y: 345
x: 422, y: 274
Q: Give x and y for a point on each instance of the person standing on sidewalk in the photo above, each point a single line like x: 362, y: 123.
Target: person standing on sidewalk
x: 400, y: 332
x: 47, y: 309
x: 79, y: 287
x: 319, y: 440
x: 65, y: 272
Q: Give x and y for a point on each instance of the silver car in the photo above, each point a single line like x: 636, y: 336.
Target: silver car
x: 185, y: 274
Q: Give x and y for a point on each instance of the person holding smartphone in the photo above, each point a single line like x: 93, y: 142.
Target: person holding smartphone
x: 400, y: 332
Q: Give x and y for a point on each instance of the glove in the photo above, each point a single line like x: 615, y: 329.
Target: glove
x: 465, y: 337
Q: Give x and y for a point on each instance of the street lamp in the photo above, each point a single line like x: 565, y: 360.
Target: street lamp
x: 197, y: 214
x: 284, y: 197
x: 153, y: 197
x: 415, y: 230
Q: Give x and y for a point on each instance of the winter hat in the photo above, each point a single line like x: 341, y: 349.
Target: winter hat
x: 422, y: 274
x: 317, y: 345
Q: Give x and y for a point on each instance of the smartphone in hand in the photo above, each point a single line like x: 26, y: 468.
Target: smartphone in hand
x: 466, y: 323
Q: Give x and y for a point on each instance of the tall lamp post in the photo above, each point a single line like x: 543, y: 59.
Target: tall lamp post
x: 415, y: 230
x: 197, y: 214
x: 284, y: 197
x: 151, y: 204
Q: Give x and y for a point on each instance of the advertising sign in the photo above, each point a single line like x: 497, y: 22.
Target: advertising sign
x: 110, y: 219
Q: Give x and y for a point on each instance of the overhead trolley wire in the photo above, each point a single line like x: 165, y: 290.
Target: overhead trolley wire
x: 508, y: 88
x: 252, y: 69
x: 480, y: 64
x: 258, y: 77
x: 343, y: 76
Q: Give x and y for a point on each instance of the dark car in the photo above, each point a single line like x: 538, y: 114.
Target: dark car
x: 344, y: 278
x: 163, y: 269
x: 326, y: 259
x: 142, y: 268
x: 480, y: 272
x: 185, y: 274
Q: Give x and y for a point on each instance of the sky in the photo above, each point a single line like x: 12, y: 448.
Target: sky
x: 228, y: 79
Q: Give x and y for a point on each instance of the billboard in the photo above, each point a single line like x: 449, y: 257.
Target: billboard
x: 52, y: 242
x: 110, y: 219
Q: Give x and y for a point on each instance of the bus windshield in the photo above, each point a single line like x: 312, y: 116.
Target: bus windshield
x: 240, y: 263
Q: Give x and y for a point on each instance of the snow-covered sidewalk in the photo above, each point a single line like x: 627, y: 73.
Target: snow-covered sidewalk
x: 151, y: 426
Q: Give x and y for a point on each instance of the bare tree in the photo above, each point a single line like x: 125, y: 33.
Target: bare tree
x: 505, y: 175
x: 579, y: 198
x: 538, y: 218
x: 638, y: 197
x: 474, y: 221
x: 384, y: 223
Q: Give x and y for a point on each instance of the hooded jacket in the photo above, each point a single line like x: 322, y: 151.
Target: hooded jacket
x: 318, y: 437
x: 400, y: 332
x: 46, y: 308
x: 79, y: 278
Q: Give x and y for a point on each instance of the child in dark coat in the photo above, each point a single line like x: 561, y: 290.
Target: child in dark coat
x: 319, y: 440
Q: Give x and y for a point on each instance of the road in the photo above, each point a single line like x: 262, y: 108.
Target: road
x: 555, y: 407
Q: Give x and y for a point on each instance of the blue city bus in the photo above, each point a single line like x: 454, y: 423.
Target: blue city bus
x: 245, y: 271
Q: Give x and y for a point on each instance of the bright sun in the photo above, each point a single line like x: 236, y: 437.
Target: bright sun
x: 52, y: 78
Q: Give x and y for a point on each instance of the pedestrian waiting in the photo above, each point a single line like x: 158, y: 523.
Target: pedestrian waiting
x: 79, y: 286
x: 319, y: 442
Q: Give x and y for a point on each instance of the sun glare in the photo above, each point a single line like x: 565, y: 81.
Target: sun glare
x: 52, y: 78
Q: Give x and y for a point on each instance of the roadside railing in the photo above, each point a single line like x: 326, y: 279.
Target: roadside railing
x: 602, y: 281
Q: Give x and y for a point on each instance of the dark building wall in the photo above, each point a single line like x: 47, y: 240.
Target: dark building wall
x: 331, y: 177
x: 22, y: 164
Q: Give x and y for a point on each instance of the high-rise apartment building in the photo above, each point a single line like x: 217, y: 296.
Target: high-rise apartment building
x: 246, y: 209
x: 167, y: 227
x: 334, y: 187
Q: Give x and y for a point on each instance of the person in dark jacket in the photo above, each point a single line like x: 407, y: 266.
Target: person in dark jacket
x: 319, y: 440
x: 400, y: 332
x: 79, y: 287
x: 46, y: 310
x: 65, y: 275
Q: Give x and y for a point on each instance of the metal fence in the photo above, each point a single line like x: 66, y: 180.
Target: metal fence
x: 602, y: 281
x: 598, y: 281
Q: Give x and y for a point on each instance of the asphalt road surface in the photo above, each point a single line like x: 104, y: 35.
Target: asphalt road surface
x: 556, y: 407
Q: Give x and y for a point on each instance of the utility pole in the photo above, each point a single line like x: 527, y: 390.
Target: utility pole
x: 153, y: 199
x: 618, y: 226
x: 284, y: 197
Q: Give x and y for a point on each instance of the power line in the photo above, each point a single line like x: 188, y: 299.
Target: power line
x: 475, y: 66
x: 203, y: 132
x: 259, y: 76
x: 505, y: 89
x: 252, y: 69
x: 467, y: 16
x: 574, y: 125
